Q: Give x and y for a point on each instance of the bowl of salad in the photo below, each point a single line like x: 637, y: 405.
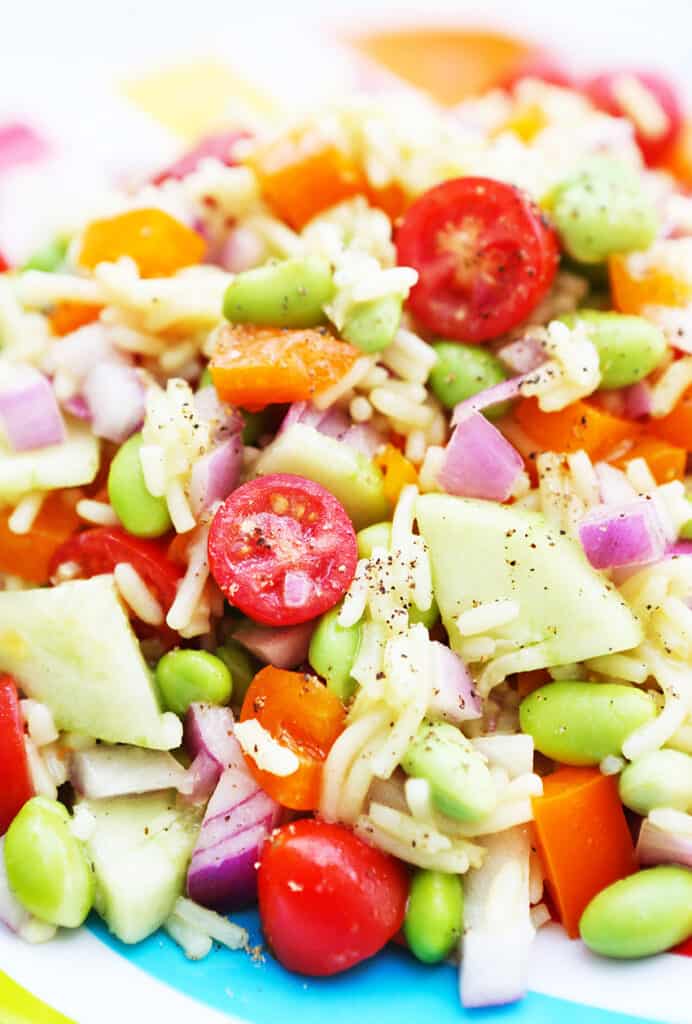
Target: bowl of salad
x: 346, y: 562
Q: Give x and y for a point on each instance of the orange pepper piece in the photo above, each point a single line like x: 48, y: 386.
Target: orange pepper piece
x: 28, y: 555
x: 303, y: 715
x: 301, y: 175
x: 666, y: 461
x: 257, y: 366
x: 579, y: 426
x: 451, y: 64
x: 679, y: 159
x: 632, y: 293
x: 391, y: 198
x: 158, y: 243
x: 397, y: 472
x: 676, y: 427
x: 583, y: 839
x: 70, y: 316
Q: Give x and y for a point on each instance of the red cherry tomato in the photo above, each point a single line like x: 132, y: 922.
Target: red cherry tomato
x: 282, y: 549
x: 101, y: 549
x: 16, y: 786
x: 609, y: 92
x: 484, y: 254
x: 327, y: 900
x: 217, y: 147
x: 4, y: 265
x: 543, y: 66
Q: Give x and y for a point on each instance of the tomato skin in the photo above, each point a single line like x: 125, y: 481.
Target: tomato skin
x: 602, y: 89
x: 219, y: 147
x: 16, y: 786
x: 485, y: 256
x: 99, y: 550
x: 543, y: 66
x: 328, y: 900
x: 278, y: 525
x: 303, y: 715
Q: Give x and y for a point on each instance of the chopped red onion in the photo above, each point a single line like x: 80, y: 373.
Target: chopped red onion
x: 334, y: 423
x: 240, y: 815
x: 658, y: 846
x: 77, y: 406
x: 617, y: 535
x: 363, y: 438
x: 216, y: 147
x: 115, y: 396
x: 453, y: 695
x: 479, y: 461
x: 20, y: 144
x: 613, y: 485
x: 216, y: 474
x: 225, y: 421
x: 637, y: 400
x: 680, y: 547
x: 501, y: 392
x: 523, y: 355
x: 209, y: 730
x: 283, y: 646
x: 242, y: 250
x: 82, y: 350
x: 107, y: 771
x: 29, y: 411
x: 203, y: 775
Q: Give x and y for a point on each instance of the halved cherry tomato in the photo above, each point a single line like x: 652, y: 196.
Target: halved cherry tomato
x: 327, y: 900
x: 158, y: 243
x: 282, y: 549
x: 655, y: 287
x: 610, y: 91
x: 29, y: 555
x: 484, y: 254
x: 17, y: 786
x: 676, y: 427
x: 303, y: 715
x: 666, y: 461
x: 543, y: 66
x: 70, y: 316
x: 580, y: 425
x: 258, y: 366
x: 4, y: 265
x: 684, y: 949
x: 216, y: 147
x: 302, y: 174
x: 101, y: 549
x: 397, y: 471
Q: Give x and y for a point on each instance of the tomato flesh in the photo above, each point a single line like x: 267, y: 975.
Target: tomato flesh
x: 282, y: 549
x: 303, y: 715
x: 328, y: 900
x: 101, y: 549
x: 484, y: 254
x: 16, y: 786
x: 654, y: 141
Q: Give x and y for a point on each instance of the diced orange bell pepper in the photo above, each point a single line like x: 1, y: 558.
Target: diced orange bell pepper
x: 666, y: 461
x: 580, y: 425
x: 391, y: 198
x: 583, y: 839
x: 258, y: 366
x: 397, y: 471
x: 451, y: 64
x: 28, y: 555
x: 676, y: 427
x: 656, y: 287
x: 158, y: 243
x: 679, y: 159
x: 70, y: 316
x: 301, y: 175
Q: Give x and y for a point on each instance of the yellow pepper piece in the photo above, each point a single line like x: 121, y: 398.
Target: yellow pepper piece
x: 397, y: 471
x: 158, y: 243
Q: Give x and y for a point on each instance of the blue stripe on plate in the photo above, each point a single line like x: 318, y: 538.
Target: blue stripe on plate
x: 391, y: 989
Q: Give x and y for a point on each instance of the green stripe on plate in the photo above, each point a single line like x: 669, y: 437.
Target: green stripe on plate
x: 17, y: 1006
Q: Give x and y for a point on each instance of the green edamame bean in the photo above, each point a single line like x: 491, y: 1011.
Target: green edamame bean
x: 371, y: 326
x: 49, y: 257
x: 434, y: 915
x: 581, y: 723
x: 643, y: 914
x: 185, y: 676
x: 47, y: 867
x: 460, y: 784
x: 333, y: 649
x: 428, y: 618
x: 629, y: 347
x: 379, y: 535
x: 461, y: 371
x: 242, y: 666
x: 602, y: 209
x: 661, y: 778
x: 287, y: 294
x: 139, y: 511
x: 206, y: 380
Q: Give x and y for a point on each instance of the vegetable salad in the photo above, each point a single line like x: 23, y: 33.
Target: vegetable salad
x: 345, y: 545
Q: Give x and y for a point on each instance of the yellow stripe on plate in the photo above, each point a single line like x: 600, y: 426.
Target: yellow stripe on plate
x: 17, y: 1006
x: 194, y: 99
